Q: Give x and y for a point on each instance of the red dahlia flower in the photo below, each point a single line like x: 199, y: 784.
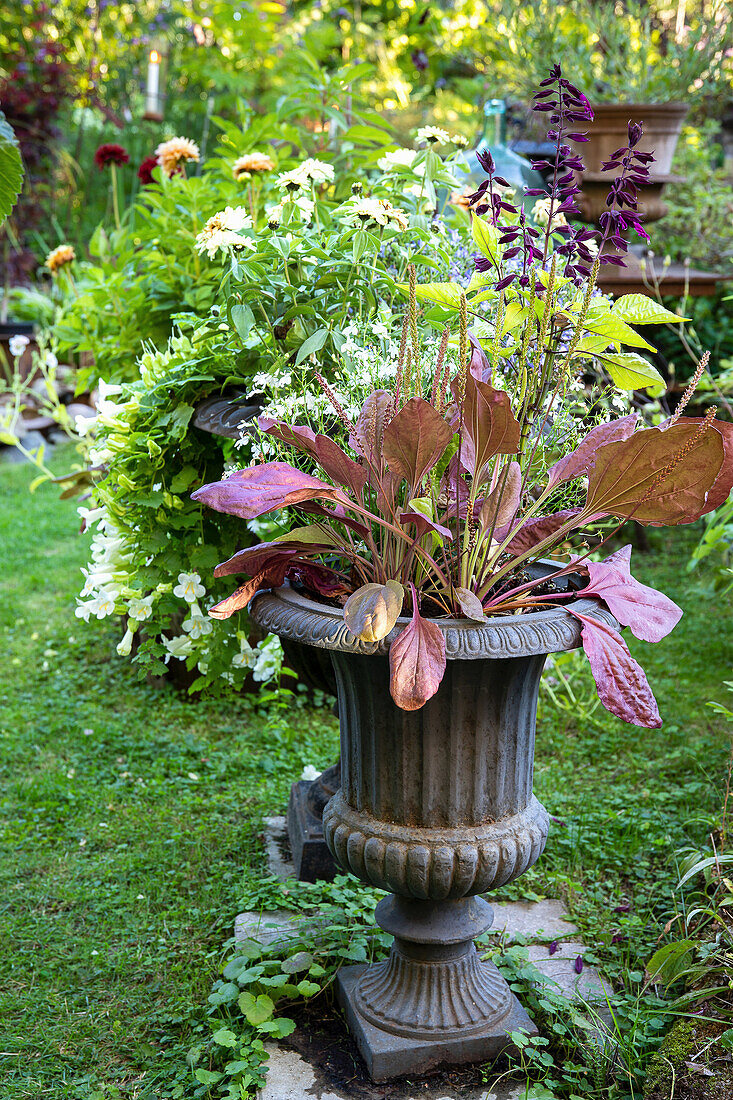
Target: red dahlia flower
x: 110, y: 154
x: 145, y: 171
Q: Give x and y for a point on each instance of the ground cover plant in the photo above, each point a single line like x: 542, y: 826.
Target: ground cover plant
x: 131, y: 819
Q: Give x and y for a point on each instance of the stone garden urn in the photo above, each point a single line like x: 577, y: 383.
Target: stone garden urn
x: 436, y: 807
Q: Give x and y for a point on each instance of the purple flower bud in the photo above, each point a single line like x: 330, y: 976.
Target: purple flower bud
x: 486, y: 161
x: 553, y: 947
x: 635, y: 132
x: 579, y: 965
x: 618, y: 937
x: 420, y: 60
x: 505, y: 282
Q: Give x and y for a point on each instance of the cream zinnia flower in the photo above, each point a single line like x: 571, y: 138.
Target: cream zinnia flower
x: 222, y: 231
x: 380, y: 211
x: 396, y: 159
x: 252, y: 162
x: 310, y: 171
x: 433, y: 135
x: 171, y: 154
x: 541, y: 213
x: 59, y: 257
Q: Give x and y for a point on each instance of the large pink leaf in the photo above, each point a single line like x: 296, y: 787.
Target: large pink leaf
x: 414, y: 440
x: 368, y: 433
x: 338, y: 514
x: 416, y: 661
x: 536, y: 530
x: 620, y: 680
x: 265, y: 488
x: 502, y: 504
x: 337, y: 464
x: 649, y: 614
x: 658, y: 477
x: 300, y: 437
x: 423, y: 524
x: 489, y: 425
x: 724, y: 481
x: 253, y: 559
x: 583, y: 457
x: 479, y: 365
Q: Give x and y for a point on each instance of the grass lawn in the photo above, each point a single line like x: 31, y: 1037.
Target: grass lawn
x: 130, y: 816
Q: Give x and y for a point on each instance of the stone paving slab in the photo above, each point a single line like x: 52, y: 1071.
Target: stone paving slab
x: 290, y: 1077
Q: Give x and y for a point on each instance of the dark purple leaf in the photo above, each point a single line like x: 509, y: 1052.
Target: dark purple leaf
x: 424, y: 525
x: 369, y: 428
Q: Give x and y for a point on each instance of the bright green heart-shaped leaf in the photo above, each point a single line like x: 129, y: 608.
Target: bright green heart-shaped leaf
x: 308, y: 989
x: 302, y: 961
x: 632, y: 372
x: 256, y: 1011
x: 637, y: 309
x: 224, y: 1037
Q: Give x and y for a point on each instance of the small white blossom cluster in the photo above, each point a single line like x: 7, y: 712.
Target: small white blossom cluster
x: 311, y: 171
x: 264, y: 660
x: 369, y: 360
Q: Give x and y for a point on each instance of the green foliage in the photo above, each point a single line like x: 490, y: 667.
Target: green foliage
x: 11, y: 169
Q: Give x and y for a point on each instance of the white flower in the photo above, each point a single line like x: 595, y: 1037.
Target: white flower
x: 189, y: 587
x: 50, y: 361
x: 125, y: 645
x: 310, y: 773
x: 310, y: 171
x: 396, y: 159
x: 107, y: 390
x: 433, y: 135
x: 102, y: 605
x: 90, y: 515
x: 541, y: 213
x: 83, y: 423
x: 222, y: 231
x: 17, y: 345
x: 377, y: 210
x: 180, y: 647
x: 460, y: 141
x: 197, y: 626
x: 140, y: 609
x: 269, y: 660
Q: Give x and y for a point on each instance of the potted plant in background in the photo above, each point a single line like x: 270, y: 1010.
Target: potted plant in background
x: 423, y: 569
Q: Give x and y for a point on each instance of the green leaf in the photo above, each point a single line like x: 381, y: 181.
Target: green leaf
x: 207, y: 1076
x: 485, y: 237
x: 308, y: 989
x: 224, y: 1037
x: 632, y: 372
x: 312, y: 344
x: 444, y: 294
x: 11, y: 168
x: 615, y: 330
x: 242, y: 317
x: 185, y: 477
x: 671, y: 961
x: 302, y: 961
x: 279, y: 1028
x: 256, y: 1011
x: 638, y: 309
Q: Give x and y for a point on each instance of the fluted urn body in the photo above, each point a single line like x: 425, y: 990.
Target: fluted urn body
x: 436, y: 806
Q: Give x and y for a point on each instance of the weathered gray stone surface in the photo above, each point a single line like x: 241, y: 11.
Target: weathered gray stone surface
x: 532, y: 920
x: 290, y: 1077
x: 276, y: 847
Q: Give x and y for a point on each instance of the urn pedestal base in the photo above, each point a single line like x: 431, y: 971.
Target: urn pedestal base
x: 433, y: 1000
x: 387, y: 1055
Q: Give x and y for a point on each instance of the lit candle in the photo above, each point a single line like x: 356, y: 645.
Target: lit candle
x: 152, y: 90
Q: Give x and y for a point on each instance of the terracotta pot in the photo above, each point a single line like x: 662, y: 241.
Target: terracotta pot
x: 437, y: 807
x: 662, y: 123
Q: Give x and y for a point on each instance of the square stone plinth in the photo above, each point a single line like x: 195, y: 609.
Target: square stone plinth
x: 387, y: 1056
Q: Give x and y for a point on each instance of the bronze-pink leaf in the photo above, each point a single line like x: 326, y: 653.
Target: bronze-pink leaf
x: 470, y: 604
x: 490, y: 427
x: 271, y: 577
x: 416, y: 661
x: 583, y: 457
x: 650, y: 615
x: 414, y: 440
x: 337, y: 464
x: 538, y: 528
x: 502, y: 504
x: 253, y: 559
x: 658, y: 477
x: 368, y: 433
x: 300, y: 437
x: 265, y: 488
